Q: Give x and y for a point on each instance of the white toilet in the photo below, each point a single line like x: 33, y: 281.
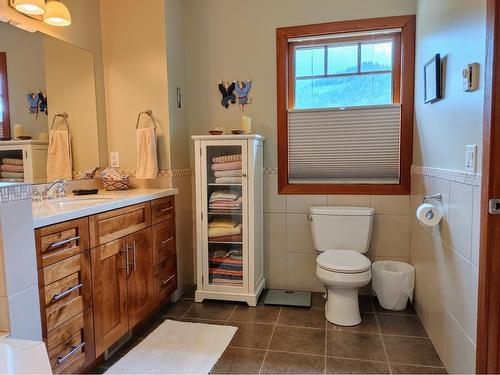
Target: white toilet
x: 342, y: 235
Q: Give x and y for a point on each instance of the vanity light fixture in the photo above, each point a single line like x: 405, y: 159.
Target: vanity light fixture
x: 30, y: 7
x: 52, y: 12
x: 56, y: 14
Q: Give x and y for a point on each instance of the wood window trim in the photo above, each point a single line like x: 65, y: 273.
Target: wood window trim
x: 406, y: 49
x: 5, y: 95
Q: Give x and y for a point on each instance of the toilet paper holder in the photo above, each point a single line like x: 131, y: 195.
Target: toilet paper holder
x: 438, y: 197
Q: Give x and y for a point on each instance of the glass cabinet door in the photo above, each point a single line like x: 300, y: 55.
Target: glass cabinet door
x: 225, y: 208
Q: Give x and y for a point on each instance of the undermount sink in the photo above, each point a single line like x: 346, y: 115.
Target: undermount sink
x: 73, y: 201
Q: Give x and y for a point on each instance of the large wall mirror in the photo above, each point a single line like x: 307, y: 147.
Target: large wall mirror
x: 48, y: 115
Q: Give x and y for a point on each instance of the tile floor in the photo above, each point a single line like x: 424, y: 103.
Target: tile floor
x: 273, y: 339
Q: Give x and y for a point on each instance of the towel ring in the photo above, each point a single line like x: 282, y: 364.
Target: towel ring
x: 64, y: 116
x: 146, y: 112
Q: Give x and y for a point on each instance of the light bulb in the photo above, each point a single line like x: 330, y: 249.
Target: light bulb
x: 30, y: 7
x: 56, y: 14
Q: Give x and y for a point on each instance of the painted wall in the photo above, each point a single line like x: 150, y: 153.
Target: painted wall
x: 446, y: 257
x: 456, y: 30
x: 135, y: 70
x: 84, y: 32
x: 215, y: 51
x: 176, y: 70
x: 25, y: 73
x: 179, y: 141
x: 237, y: 40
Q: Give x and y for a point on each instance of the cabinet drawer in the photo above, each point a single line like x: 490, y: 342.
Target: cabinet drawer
x: 70, y: 346
x: 60, y: 241
x: 111, y: 225
x: 65, y: 289
x: 165, y: 280
x: 163, y: 209
x: 163, y: 241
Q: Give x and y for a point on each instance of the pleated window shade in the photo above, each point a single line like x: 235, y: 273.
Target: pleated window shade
x: 358, y: 145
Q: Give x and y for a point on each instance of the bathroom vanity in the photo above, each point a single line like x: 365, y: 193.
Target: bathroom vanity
x: 105, y: 263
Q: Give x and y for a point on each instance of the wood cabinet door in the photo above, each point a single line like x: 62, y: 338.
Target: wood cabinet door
x: 140, y: 279
x: 109, y: 287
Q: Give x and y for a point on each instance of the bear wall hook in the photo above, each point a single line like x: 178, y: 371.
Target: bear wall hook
x: 227, y: 90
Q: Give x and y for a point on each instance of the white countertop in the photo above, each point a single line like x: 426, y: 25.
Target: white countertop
x: 73, y: 207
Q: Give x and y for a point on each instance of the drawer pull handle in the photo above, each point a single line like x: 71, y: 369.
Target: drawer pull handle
x: 166, y: 209
x: 60, y: 296
x: 167, y: 241
x: 73, y: 350
x: 127, y: 262
x: 134, y: 255
x: 63, y: 242
x: 165, y: 282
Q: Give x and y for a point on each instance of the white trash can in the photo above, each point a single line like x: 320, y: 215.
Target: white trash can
x: 393, y: 283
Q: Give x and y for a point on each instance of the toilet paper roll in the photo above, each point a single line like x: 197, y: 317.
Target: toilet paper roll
x: 429, y: 215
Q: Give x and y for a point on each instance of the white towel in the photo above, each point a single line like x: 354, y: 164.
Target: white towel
x: 228, y: 180
x: 233, y: 173
x: 59, y: 158
x: 147, y: 158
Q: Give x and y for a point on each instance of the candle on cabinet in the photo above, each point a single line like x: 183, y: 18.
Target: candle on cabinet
x: 18, y: 130
x: 246, y: 124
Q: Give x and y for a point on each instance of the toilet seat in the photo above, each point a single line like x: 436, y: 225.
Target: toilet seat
x: 343, y: 261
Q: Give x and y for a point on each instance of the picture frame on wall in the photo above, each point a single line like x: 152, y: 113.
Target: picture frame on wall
x: 432, y: 79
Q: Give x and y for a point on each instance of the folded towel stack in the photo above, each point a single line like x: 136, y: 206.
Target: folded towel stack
x: 226, y: 267
x: 224, y: 230
x: 12, y: 170
x: 223, y: 202
x: 227, y: 169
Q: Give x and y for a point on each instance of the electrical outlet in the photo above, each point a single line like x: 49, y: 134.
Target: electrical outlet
x: 115, y: 159
x: 470, y: 158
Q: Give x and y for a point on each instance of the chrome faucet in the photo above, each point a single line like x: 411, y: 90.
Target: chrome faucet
x: 59, y: 190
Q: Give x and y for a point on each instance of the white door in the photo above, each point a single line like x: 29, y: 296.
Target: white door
x: 225, y: 220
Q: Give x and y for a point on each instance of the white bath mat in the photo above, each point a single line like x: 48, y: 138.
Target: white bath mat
x: 177, y: 348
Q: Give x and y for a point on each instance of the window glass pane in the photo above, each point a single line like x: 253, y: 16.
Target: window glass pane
x: 358, y: 90
x: 376, y: 56
x: 343, y: 59
x: 309, y: 62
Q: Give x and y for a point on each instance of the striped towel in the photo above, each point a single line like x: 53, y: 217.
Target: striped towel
x: 228, y: 180
x: 230, y: 173
x: 226, y: 158
x: 12, y: 161
x: 12, y: 175
x: 12, y: 168
x: 227, y: 166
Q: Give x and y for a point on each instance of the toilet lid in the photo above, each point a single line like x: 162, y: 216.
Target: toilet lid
x: 346, y: 261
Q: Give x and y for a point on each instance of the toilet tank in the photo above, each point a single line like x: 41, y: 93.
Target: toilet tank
x: 341, y: 228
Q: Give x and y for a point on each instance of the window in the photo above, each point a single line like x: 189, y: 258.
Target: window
x: 345, y: 107
x: 343, y: 74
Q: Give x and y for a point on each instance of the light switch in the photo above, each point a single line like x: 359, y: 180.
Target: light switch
x: 470, y: 158
x: 115, y: 159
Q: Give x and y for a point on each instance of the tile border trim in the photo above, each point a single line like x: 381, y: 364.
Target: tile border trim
x: 15, y: 193
x: 462, y: 177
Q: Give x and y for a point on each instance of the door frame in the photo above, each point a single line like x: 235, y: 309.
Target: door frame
x: 488, y: 316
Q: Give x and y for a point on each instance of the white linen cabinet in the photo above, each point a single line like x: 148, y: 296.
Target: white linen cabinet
x: 229, y: 217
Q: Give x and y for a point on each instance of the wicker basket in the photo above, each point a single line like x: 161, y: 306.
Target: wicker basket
x: 111, y: 185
